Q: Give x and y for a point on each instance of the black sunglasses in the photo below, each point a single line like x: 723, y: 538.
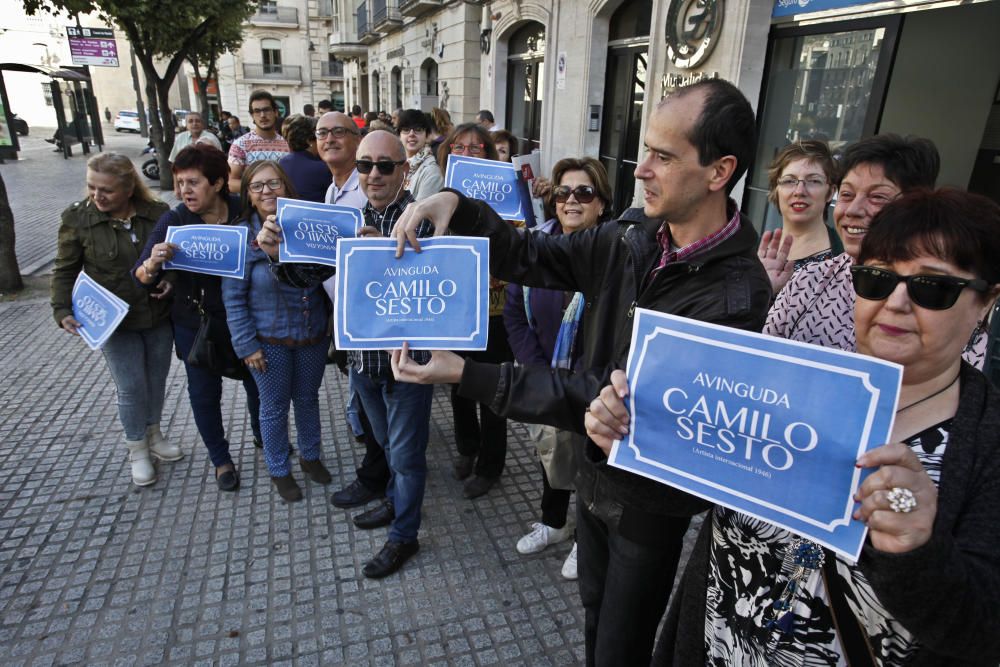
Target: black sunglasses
x: 927, y: 291
x: 385, y: 167
x: 583, y: 193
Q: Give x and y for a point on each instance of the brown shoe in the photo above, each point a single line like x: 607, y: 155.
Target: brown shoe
x: 287, y: 488
x: 316, y: 471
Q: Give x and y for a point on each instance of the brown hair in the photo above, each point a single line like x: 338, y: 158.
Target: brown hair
x: 442, y: 120
x: 509, y: 138
x: 121, y: 167
x: 444, y: 150
x: 246, y: 207
x: 598, y: 176
x: 207, y: 159
x: 299, y: 131
x: 808, y: 149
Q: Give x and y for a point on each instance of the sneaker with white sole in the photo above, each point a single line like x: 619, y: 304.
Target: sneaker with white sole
x: 542, y: 536
x: 569, y: 566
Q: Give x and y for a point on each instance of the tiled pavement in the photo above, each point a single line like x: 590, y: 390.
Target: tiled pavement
x: 95, y: 571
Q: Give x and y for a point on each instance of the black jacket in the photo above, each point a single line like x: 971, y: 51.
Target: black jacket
x: 610, y: 264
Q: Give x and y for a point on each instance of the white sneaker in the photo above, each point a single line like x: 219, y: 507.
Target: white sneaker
x: 542, y: 536
x: 569, y: 566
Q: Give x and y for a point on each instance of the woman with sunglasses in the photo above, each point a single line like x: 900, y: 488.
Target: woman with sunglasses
x: 925, y: 589
x: 542, y: 326
x: 817, y: 304
x: 424, y: 177
x: 201, y: 175
x: 801, y: 179
x: 481, y: 440
x: 280, y: 333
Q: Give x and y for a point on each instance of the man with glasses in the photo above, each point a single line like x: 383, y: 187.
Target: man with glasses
x: 688, y: 252
x: 261, y: 143
x: 337, y: 142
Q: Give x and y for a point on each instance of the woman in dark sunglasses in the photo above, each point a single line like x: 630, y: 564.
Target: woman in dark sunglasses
x: 925, y: 589
x: 541, y: 327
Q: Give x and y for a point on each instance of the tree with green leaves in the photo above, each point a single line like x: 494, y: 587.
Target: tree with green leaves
x: 224, y: 37
x: 158, y: 30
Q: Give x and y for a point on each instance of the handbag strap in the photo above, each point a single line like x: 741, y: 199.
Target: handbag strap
x: 853, y: 639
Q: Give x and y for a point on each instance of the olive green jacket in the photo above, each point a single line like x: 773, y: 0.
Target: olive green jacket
x: 107, y: 251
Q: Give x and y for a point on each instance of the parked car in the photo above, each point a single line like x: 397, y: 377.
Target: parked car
x: 127, y: 121
x: 19, y: 124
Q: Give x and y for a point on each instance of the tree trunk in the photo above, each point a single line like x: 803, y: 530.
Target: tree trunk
x: 10, y: 273
x: 169, y: 131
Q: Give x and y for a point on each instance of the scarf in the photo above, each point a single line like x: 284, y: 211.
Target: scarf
x: 562, y: 354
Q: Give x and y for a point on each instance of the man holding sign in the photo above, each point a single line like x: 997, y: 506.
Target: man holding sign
x: 688, y: 252
x: 399, y: 412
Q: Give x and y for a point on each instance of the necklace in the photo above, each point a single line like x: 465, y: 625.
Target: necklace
x: 930, y: 396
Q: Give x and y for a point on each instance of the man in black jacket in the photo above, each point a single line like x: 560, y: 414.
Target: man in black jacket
x: 687, y: 252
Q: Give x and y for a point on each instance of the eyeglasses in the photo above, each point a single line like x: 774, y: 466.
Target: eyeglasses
x: 274, y: 184
x: 470, y: 149
x: 412, y: 130
x: 385, y: 167
x: 812, y: 183
x: 932, y: 292
x: 583, y: 193
x: 261, y: 111
x: 337, y: 132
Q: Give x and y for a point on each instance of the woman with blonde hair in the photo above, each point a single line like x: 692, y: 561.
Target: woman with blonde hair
x: 104, y: 235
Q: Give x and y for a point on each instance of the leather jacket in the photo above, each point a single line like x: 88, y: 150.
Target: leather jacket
x: 611, y: 264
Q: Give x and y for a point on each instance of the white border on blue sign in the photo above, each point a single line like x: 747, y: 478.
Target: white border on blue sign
x: 435, y: 244
x: 458, y: 160
x: 284, y: 255
x: 846, y: 519
x: 241, y: 260
x: 119, y: 306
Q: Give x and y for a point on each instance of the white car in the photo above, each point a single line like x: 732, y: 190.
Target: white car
x: 127, y: 121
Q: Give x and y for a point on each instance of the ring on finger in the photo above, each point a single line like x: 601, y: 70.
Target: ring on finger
x: 901, y: 500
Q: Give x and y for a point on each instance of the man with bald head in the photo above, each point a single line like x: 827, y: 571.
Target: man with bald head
x: 399, y: 412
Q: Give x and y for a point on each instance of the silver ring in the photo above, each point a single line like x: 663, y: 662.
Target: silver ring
x: 901, y: 500
x: 161, y: 253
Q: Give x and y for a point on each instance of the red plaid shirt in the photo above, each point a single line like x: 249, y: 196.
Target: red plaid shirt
x: 699, y: 246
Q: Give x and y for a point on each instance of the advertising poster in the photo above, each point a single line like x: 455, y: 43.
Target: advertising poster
x: 436, y: 299
x: 761, y: 425
x: 218, y: 250
x: 310, y: 231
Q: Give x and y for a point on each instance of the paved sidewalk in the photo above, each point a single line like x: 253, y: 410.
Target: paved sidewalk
x: 94, y: 571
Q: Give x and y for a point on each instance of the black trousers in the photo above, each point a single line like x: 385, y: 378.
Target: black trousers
x: 374, y: 471
x: 479, y: 431
x: 626, y: 573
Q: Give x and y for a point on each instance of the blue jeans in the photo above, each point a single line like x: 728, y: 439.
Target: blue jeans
x: 205, y: 392
x: 400, y: 415
x: 139, y: 362
x: 293, y: 375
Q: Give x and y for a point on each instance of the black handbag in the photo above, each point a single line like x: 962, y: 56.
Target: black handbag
x: 212, y: 349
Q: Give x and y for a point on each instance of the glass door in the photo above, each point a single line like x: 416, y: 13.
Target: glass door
x: 525, y: 86
x: 823, y: 82
x: 624, y: 99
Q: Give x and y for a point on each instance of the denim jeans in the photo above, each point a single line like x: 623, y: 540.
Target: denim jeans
x: 139, y: 362
x: 400, y: 415
x: 205, y: 392
x: 293, y: 375
x: 626, y: 573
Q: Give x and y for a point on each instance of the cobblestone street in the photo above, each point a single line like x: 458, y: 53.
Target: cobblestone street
x: 96, y: 571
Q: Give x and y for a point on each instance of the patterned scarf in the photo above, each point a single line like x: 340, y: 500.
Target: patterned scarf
x: 562, y: 354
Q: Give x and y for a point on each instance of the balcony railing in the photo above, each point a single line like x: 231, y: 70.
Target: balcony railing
x: 384, y: 15
x: 332, y: 70
x: 418, y: 7
x: 277, y: 15
x: 363, y: 28
x: 263, y: 72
